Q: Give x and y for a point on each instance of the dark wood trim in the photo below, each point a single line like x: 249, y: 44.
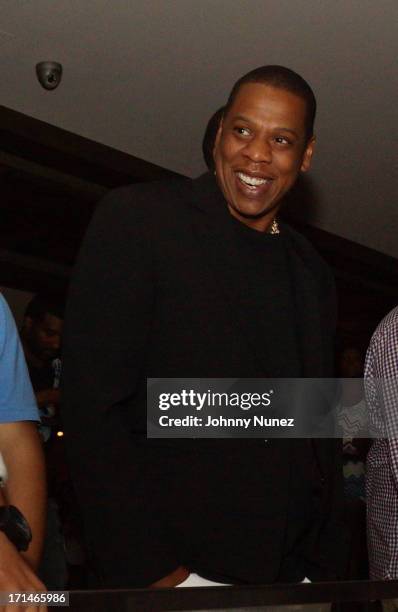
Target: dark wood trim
x: 352, y: 262
x: 349, y: 257
x: 31, y: 273
x: 70, y: 153
x: 70, y: 183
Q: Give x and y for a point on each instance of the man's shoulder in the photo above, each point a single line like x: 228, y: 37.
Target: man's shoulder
x: 382, y: 353
x: 6, y: 319
x: 387, y: 328
x: 4, y: 310
x: 144, y: 201
x: 302, y: 248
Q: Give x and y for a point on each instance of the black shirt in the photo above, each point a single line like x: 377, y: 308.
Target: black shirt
x: 271, y: 299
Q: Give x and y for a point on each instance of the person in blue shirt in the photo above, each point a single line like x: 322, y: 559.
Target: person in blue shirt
x: 23, y: 474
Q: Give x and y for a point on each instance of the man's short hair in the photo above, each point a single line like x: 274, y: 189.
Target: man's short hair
x: 41, y: 304
x: 280, y: 78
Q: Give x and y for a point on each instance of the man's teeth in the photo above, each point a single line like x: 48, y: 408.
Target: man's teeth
x: 252, y: 181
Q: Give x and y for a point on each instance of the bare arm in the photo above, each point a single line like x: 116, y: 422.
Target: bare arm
x: 16, y: 574
x: 26, y: 489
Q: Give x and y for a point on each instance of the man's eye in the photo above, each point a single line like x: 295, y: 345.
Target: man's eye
x: 242, y: 131
x: 282, y: 140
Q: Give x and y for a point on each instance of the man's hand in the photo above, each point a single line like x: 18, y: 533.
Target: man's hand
x: 16, y: 576
x: 47, y: 396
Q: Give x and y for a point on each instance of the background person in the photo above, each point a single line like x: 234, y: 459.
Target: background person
x: 381, y: 386
x: 41, y: 336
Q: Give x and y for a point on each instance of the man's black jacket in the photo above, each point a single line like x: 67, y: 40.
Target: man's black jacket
x: 157, y: 293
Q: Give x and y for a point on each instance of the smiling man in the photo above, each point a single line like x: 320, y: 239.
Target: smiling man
x: 198, y: 279
x: 262, y: 144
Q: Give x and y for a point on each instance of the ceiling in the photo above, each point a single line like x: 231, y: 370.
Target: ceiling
x: 144, y: 76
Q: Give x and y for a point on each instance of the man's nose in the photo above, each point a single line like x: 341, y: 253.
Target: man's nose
x: 259, y: 150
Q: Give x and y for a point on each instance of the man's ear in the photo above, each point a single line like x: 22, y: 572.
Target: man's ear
x: 308, y: 153
x: 217, y: 138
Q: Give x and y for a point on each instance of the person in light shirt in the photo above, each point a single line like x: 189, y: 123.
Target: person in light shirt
x: 23, y: 490
x: 381, y: 390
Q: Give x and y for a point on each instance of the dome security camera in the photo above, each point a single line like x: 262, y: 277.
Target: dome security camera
x: 49, y: 74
